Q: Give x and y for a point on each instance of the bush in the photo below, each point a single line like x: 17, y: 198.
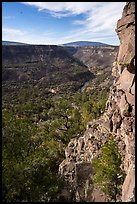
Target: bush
x: 107, y: 172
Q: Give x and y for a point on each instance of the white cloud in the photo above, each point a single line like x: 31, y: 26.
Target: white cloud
x: 78, y: 22
x: 12, y: 32
x: 75, y: 8
x: 52, y: 6
x: 105, y: 18
x: 25, y: 36
x: 100, y: 17
x: 99, y: 22
x: 8, y: 17
x: 91, y: 36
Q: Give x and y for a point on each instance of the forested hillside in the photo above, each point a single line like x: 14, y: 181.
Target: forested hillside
x: 47, y: 98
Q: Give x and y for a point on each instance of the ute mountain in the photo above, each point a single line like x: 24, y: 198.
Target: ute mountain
x: 85, y: 43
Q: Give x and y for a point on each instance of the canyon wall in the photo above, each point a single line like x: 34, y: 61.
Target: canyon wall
x: 118, y: 120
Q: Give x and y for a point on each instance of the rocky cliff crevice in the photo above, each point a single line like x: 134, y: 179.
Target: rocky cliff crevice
x: 118, y: 120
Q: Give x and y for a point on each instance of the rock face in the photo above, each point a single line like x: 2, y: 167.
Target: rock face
x: 118, y: 120
x: 101, y: 57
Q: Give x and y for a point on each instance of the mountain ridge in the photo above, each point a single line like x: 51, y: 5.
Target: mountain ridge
x: 85, y: 43
x: 4, y: 42
x: 73, y: 44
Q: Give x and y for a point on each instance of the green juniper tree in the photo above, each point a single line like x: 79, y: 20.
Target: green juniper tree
x: 107, y: 172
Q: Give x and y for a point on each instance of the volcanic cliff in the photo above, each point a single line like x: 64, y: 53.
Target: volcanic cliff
x: 118, y: 120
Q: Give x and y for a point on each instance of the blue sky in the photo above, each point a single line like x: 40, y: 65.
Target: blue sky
x: 60, y: 22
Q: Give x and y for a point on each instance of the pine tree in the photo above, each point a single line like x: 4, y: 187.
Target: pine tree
x: 107, y: 172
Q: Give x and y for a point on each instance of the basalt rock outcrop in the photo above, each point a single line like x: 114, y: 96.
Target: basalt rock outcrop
x: 118, y: 120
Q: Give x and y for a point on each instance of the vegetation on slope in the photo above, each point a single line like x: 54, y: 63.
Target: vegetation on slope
x: 44, y: 105
x: 36, y: 127
x: 107, y: 171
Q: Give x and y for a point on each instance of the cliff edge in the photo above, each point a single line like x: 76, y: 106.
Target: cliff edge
x: 118, y: 120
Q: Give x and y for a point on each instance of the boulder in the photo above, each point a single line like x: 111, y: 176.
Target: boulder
x: 128, y: 187
x: 125, y: 81
x: 130, y: 98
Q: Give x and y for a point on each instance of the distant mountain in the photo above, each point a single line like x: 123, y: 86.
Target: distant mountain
x: 12, y: 43
x: 85, y: 43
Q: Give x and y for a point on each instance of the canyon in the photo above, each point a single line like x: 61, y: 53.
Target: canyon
x: 50, y: 99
